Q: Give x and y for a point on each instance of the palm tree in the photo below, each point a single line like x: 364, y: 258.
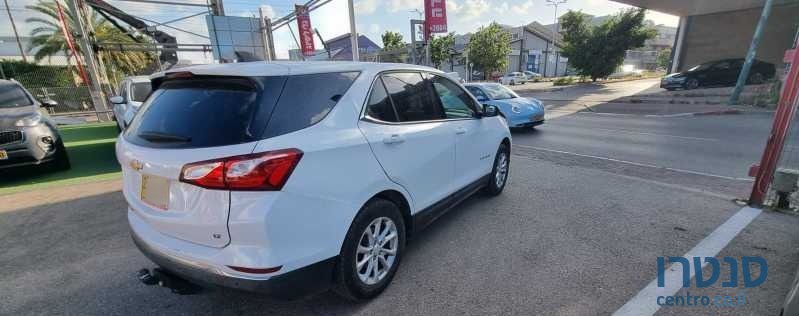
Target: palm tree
x: 48, y: 40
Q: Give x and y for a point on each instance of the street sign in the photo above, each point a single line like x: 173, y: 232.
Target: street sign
x: 305, y: 30
x: 435, y: 12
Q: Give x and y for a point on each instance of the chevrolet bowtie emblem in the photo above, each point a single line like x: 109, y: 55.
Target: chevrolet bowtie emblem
x: 136, y: 165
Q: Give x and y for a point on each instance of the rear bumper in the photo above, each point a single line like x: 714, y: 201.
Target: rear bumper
x: 311, y: 279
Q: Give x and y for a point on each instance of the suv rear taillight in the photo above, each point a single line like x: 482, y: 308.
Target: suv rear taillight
x: 267, y: 171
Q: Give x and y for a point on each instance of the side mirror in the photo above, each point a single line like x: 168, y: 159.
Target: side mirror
x: 481, y: 98
x: 49, y: 103
x: 490, y: 110
x: 117, y: 100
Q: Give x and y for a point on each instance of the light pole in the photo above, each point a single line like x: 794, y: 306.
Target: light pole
x: 16, y: 35
x: 555, y: 3
x: 353, y: 33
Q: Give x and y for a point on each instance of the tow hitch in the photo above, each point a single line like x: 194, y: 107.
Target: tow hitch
x: 165, y: 279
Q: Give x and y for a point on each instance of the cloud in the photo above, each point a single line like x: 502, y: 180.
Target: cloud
x: 374, y: 28
x: 522, y: 8
x: 366, y: 7
x: 405, y: 5
x: 269, y: 11
x: 472, y: 9
x: 452, y: 6
x: 502, y: 8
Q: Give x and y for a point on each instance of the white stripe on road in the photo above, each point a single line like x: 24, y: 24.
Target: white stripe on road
x: 636, y: 163
x: 645, y: 302
x: 624, y: 131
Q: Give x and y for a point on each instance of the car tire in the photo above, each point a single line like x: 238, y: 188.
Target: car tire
x: 350, y: 282
x: 499, y: 173
x: 692, y: 84
x: 756, y: 78
x: 61, y: 160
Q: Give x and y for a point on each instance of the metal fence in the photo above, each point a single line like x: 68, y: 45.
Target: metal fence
x: 57, y: 80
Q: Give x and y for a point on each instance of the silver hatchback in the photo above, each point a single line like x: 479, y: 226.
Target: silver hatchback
x: 27, y: 134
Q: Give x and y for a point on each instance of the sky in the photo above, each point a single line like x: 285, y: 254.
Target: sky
x: 373, y: 17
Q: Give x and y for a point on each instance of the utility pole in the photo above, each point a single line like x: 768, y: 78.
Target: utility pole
x: 750, y: 56
x: 266, y: 34
x: 555, y: 3
x: 217, y: 8
x: 16, y: 35
x: 353, y: 32
x: 95, y: 89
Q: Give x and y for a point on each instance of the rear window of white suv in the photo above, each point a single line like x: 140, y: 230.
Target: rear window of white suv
x: 209, y: 111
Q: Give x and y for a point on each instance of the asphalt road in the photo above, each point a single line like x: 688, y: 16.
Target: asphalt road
x: 716, y: 147
x: 561, y: 240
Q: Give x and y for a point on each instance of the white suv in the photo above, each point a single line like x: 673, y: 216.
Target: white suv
x: 289, y: 178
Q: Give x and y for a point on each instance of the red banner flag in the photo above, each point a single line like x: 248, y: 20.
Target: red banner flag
x: 435, y: 12
x: 305, y: 30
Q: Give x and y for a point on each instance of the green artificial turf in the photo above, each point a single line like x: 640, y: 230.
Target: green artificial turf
x: 91, y: 151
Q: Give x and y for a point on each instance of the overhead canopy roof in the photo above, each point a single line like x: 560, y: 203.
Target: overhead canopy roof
x: 698, y: 7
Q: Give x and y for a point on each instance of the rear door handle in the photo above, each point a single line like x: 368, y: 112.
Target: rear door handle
x: 393, y: 139
x: 460, y: 130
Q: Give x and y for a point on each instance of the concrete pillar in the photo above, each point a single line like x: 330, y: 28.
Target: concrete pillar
x: 679, y: 45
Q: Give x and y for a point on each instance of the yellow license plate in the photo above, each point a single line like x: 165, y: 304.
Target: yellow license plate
x: 155, y: 191
x: 3, y: 155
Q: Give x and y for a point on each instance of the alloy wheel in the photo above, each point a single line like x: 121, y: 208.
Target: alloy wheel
x: 502, y: 170
x: 377, y: 250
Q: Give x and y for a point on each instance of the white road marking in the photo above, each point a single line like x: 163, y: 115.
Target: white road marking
x: 664, y: 184
x: 637, y: 163
x: 647, y: 134
x: 645, y: 302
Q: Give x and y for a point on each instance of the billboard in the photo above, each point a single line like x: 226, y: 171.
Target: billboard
x: 305, y: 30
x: 235, y: 38
x: 435, y: 12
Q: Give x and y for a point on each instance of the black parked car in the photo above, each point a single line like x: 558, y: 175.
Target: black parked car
x: 717, y: 73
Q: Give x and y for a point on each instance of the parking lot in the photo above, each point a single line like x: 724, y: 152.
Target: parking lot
x: 592, y: 201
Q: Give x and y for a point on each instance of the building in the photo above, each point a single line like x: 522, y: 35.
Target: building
x: 719, y: 29
x: 340, y: 49
x: 646, y: 57
x: 532, y: 49
x: 536, y: 48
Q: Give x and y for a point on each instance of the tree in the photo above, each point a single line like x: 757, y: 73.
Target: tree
x: 489, y: 48
x: 664, y: 58
x: 47, y: 39
x: 392, y: 41
x: 597, y: 51
x: 441, y: 48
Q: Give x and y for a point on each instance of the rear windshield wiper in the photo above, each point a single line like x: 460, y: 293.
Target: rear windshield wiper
x: 158, y: 137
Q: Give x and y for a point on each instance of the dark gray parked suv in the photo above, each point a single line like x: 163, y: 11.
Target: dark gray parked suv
x: 27, y: 134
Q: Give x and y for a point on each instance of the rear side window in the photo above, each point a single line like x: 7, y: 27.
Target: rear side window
x: 379, y: 106
x: 412, y: 97
x: 306, y: 100
x: 201, y: 112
